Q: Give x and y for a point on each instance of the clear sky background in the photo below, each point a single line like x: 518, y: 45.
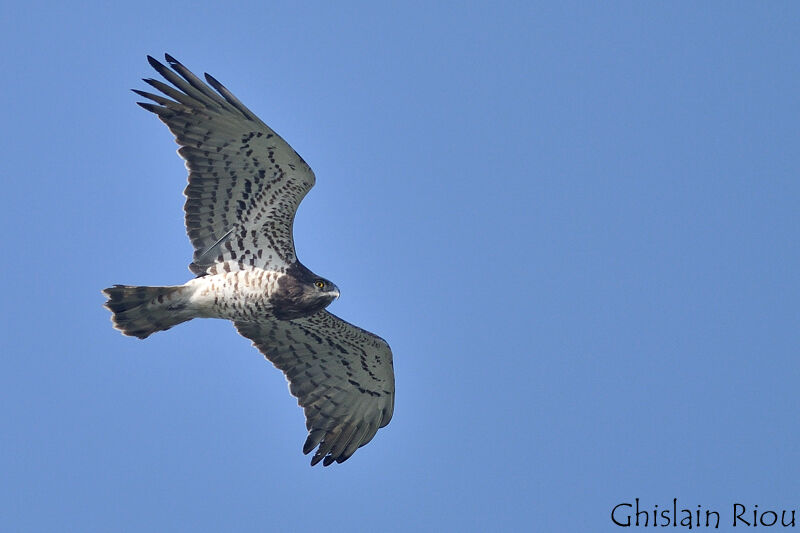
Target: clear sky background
x: 576, y: 224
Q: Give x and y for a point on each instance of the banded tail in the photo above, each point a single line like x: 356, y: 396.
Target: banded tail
x: 141, y: 311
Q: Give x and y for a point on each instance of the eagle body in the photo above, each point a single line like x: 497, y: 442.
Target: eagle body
x: 244, y: 294
x: 245, y: 184
x: 252, y: 293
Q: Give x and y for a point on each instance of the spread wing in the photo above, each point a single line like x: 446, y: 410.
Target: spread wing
x: 341, y: 375
x: 245, y: 182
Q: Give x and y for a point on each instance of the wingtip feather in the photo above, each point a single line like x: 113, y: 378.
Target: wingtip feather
x: 314, y: 438
x: 212, y: 80
x: 157, y: 109
x: 155, y: 63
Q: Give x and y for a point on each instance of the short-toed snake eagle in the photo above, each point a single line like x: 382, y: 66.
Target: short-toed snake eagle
x: 245, y: 184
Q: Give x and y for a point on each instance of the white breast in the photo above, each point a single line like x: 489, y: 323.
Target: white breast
x: 238, y: 293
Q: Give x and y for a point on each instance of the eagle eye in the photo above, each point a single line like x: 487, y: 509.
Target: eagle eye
x: 320, y: 284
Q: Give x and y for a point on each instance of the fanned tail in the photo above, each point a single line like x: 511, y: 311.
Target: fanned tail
x: 141, y: 311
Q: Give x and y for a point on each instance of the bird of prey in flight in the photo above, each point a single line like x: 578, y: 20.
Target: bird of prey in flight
x: 245, y: 184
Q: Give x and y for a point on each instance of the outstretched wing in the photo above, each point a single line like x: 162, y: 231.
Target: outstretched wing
x: 341, y: 375
x: 245, y: 182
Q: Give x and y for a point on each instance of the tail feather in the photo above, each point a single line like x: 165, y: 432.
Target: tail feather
x: 141, y: 311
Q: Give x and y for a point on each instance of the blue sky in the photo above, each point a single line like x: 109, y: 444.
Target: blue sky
x: 577, y: 226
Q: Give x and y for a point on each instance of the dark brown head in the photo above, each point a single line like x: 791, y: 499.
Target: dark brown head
x: 302, y: 293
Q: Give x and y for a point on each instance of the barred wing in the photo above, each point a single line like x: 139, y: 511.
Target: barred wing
x: 341, y: 375
x: 245, y: 182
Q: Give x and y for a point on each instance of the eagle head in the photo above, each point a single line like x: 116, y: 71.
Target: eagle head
x: 301, y: 293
